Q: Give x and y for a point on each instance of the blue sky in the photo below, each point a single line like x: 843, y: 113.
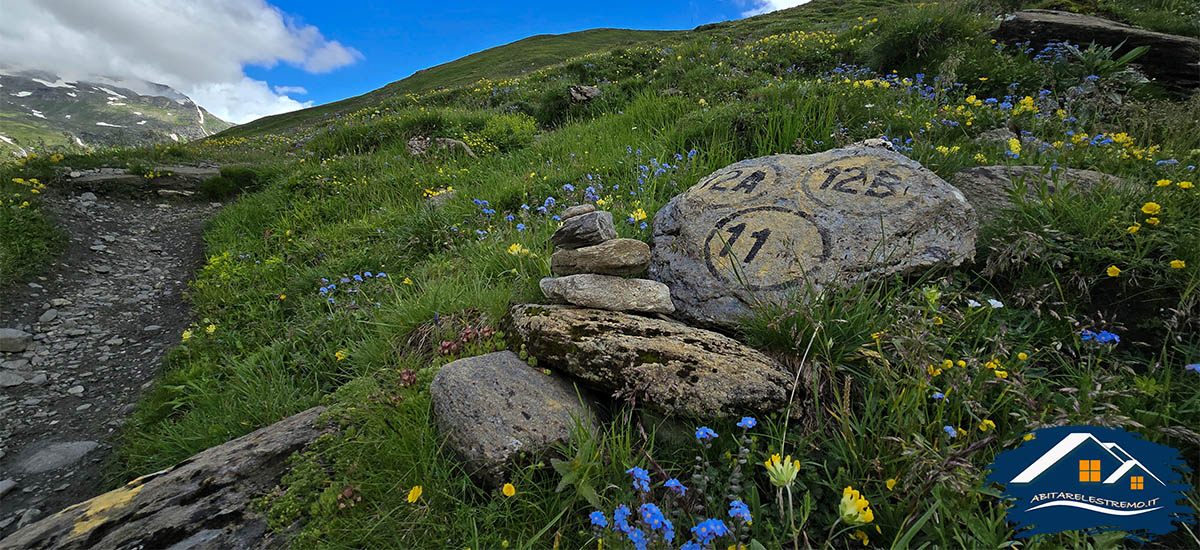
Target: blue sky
x: 399, y: 38
x: 243, y: 59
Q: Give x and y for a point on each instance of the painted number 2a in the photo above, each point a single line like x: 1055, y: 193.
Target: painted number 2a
x: 760, y: 237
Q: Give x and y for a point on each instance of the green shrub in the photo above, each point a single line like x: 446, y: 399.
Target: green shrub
x: 231, y: 181
x: 919, y: 37
x: 510, y: 131
x: 554, y: 105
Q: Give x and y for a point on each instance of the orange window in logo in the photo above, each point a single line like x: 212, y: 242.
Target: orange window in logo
x: 1135, y: 482
x: 1089, y: 471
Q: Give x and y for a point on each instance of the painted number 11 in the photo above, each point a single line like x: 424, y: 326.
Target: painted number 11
x: 760, y: 237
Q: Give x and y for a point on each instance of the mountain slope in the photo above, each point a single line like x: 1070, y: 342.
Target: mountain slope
x: 508, y: 60
x: 41, y: 112
x: 536, y: 52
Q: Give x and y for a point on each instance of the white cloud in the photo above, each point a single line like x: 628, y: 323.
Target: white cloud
x: 285, y: 90
x: 198, y: 47
x: 766, y: 6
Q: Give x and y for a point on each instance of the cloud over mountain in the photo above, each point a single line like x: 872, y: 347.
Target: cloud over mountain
x: 198, y: 47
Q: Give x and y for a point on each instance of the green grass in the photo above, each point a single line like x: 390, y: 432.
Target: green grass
x: 268, y: 342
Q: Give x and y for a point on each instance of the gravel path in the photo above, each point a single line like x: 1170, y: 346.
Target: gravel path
x: 94, y: 328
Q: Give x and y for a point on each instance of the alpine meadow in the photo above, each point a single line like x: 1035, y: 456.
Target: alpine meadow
x: 790, y: 281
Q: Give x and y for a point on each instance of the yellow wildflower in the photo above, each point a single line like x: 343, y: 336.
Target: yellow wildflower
x: 1134, y: 228
x: 341, y: 354
x: 861, y: 535
x: 1022, y: 356
x: 961, y: 363
x: 517, y: 249
x: 1001, y: 374
x: 1162, y: 183
x: 407, y: 281
x: 947, y: 364
x: 638, y: 215
x: 187, y: 334
x: 1014, y: 145
x: 937, y: 320
x: 1178, y: 264
x: 283, y: 296
x: 1029, y: 437
x: 508, y: 490
x: 1152, y: 221
x: 854, y: 509
x: 933, y: 371
x: 891, y: 484
x: 211, y: 328
x: 986, y: 425
x: 1185, y: 185
x: 414, y: 494
x: 783, y: 471
x: 1113, y: 271
x: 1151, y: 208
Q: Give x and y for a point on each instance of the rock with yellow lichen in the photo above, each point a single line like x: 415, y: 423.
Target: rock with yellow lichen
x: 201, y: 503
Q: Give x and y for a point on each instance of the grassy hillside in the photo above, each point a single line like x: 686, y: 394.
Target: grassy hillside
x: 341, y: 282
x: 505, y: 61
x: 536, y: 52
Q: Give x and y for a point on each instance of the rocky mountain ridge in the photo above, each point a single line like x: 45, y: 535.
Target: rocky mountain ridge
x: 41, y: 112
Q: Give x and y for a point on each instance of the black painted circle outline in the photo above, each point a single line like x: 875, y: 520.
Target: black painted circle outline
x: 712, y: 270
x: 805, y: 188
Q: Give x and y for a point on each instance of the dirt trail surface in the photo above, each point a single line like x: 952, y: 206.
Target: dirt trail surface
x: 80, y: 342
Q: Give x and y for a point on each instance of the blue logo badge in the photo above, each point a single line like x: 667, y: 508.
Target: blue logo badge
x: 1093, y: 479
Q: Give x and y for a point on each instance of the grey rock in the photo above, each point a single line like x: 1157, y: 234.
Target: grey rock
x: 989, y: 188
x: 1173, y: 60
x: 38, y: 379
x: 621, y: 257
x: 29, y: 516
x: 49, y: 315
x: 6, y: 486
x: 493, y: 407
x: 585, y: 230
x: 211, y: 491
x: 420, y: 145
x: 577, y: 210
x: 152, y: 328
x: 75, y: 332
x: 9, y: 379
x: 75, y: 390
x: 88, y: 197
x: 608, y: 292
x: 54, y: 456
x: 583, y: 94
x: 15, y: 364
x: 13, y: 340
x: 670, y: 366
x: 60, y: 302
x: 759, y: 230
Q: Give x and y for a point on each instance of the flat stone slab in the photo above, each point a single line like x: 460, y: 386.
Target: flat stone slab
x: 620, y: 257
x: 13, y: 340
x: 669, y: 366
x: 493, y: 407
x: 585, y: 230
x: 608, y: 292
x: 55, y: 456
x: 759, y: 230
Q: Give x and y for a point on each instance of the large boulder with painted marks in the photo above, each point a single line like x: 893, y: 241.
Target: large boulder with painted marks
x: 666, y: 365
x: 759, y: 230
x: 492, y: 408
x: 202, y: 503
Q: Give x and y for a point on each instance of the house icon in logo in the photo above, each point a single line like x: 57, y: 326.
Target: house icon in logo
x: 1098, y: 462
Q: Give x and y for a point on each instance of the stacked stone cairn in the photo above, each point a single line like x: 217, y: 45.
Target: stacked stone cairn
x: 592, y: 265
